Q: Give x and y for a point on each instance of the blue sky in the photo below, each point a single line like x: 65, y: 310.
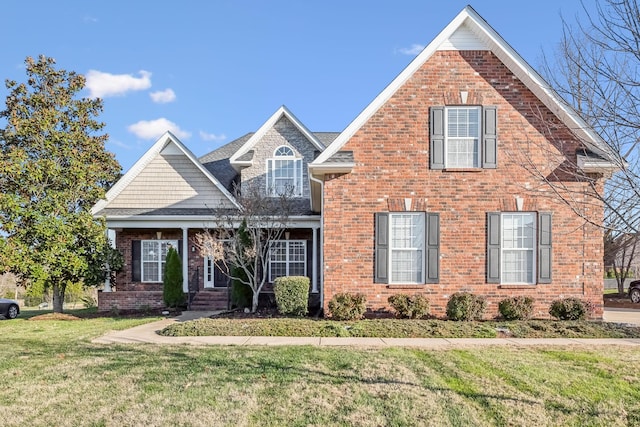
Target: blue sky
x: 212, y: 71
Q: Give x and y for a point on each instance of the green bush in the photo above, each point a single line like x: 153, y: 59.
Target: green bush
x: 345, y: 306
x: 241, y: 293
x: 409, y: 307
x: 172, y: 293
x: 292, y: 295
x: 570, y: 309
x: 465, y: 306
x: 516, y: 308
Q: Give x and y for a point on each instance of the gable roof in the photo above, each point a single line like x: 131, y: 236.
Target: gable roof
x: 241, y: 158
x: 166, y: 143
x: 469, y: 31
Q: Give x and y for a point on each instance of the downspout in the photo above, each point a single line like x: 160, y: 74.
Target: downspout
x: 321, y: 269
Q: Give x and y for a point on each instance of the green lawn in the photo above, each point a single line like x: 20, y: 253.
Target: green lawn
x: 53, y: 375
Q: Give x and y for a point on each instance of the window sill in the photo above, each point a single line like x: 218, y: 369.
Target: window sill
x: 462, y: 170
x: 407, y: 286
x: 518, y: 286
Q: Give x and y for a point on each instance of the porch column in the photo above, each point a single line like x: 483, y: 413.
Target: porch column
x: 111, y: 236
x: 314, y: 261
x: 185, y: 259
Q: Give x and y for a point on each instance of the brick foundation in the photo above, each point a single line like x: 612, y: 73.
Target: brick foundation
x: 130, y: 300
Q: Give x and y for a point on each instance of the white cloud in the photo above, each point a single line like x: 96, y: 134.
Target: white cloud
x: 212, y: 136
x: 102, y: 85
x: 153, y: 129
x: 163, y: 96
x: 413, y: 50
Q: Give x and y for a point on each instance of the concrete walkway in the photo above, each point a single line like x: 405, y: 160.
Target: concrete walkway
x: 148, y: 334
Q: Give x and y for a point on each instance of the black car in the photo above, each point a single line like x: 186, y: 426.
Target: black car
x: 634, y: 291
x: 9, y: 308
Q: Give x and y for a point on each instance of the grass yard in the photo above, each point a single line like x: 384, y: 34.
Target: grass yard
x: 53, y: 375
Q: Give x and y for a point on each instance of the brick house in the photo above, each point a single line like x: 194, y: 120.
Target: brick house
x: 436, y: 187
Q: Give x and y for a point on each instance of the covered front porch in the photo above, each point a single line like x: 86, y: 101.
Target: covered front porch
x: 144, y: 242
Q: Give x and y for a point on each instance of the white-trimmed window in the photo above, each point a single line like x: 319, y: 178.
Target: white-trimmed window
x: 406, y: 247
x: 518, y: 248
x: 287, y: 258
x: 153, y: 257
x: 462, y: 138
x: 284, y: 173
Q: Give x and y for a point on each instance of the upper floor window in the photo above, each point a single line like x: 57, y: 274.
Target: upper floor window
x: 463, y: 137
x: 284, y: 173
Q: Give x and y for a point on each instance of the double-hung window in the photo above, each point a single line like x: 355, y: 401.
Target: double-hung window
x: 406, y: 247
x: 519, y: 248
x: 284, y: 173
x: 462, y: 140
x: 154, y: 255
x: 463, y: 137
x: 287, y: 258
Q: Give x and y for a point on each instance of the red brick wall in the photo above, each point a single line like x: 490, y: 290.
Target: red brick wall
x: 391, y: 153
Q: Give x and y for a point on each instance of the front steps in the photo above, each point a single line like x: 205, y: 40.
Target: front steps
x: 210, y: 299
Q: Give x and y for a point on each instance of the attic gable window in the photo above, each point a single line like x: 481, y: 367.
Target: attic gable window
x: 284, y: 173
x: 463, y: 137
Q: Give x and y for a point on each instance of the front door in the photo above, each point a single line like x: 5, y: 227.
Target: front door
x: 214, y: 274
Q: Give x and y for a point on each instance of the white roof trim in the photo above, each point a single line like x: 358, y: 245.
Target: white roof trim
x: 151, y: 154
x: 475, y: 23
x: 270, y: 123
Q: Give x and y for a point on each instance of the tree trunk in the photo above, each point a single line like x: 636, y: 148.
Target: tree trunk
x: 58, y: 297
x: 254, y: 302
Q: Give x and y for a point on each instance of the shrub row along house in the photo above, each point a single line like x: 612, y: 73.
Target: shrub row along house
x: 447, y: 181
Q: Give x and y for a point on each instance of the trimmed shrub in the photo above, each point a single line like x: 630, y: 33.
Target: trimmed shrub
x: 516, y: 308
x: 409, y: 307
x: 172, y: 293
x: 241, y: 293
x: 345, y: 306
x: 292, y: 295
x: 570, y: 309
x: 465, y: 306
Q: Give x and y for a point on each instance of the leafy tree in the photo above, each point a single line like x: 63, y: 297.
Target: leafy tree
x: 54, y: 167
x: 172, y: 293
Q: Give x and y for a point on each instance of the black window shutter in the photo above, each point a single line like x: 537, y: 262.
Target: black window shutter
x: 544, y: 247
x: 493, y: 247
x: 436, y: 148
x: 433, y: 248
x: 136, y: 251
x: 381, y: 268
x: 489, y: 138
x: 310, y: 271
x: 179, y: 249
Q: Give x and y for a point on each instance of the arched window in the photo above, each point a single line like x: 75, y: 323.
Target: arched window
x: 284, y: 173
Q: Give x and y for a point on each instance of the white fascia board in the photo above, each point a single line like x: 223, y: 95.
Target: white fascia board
x: 147, y: 157
x: 153, y: 221
x: 270, y: 123
x: 596, y: 166
x: 468, y: 16
x: 325, y: 168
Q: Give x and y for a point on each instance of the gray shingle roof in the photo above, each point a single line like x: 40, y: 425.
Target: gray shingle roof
x: 341, y: 157
x: 217, y: 161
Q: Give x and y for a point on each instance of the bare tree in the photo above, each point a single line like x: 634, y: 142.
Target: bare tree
x: 596, y: 70
x: 242, y: 238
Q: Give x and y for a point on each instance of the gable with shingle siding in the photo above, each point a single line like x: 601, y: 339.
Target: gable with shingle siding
x: 170, y: 180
